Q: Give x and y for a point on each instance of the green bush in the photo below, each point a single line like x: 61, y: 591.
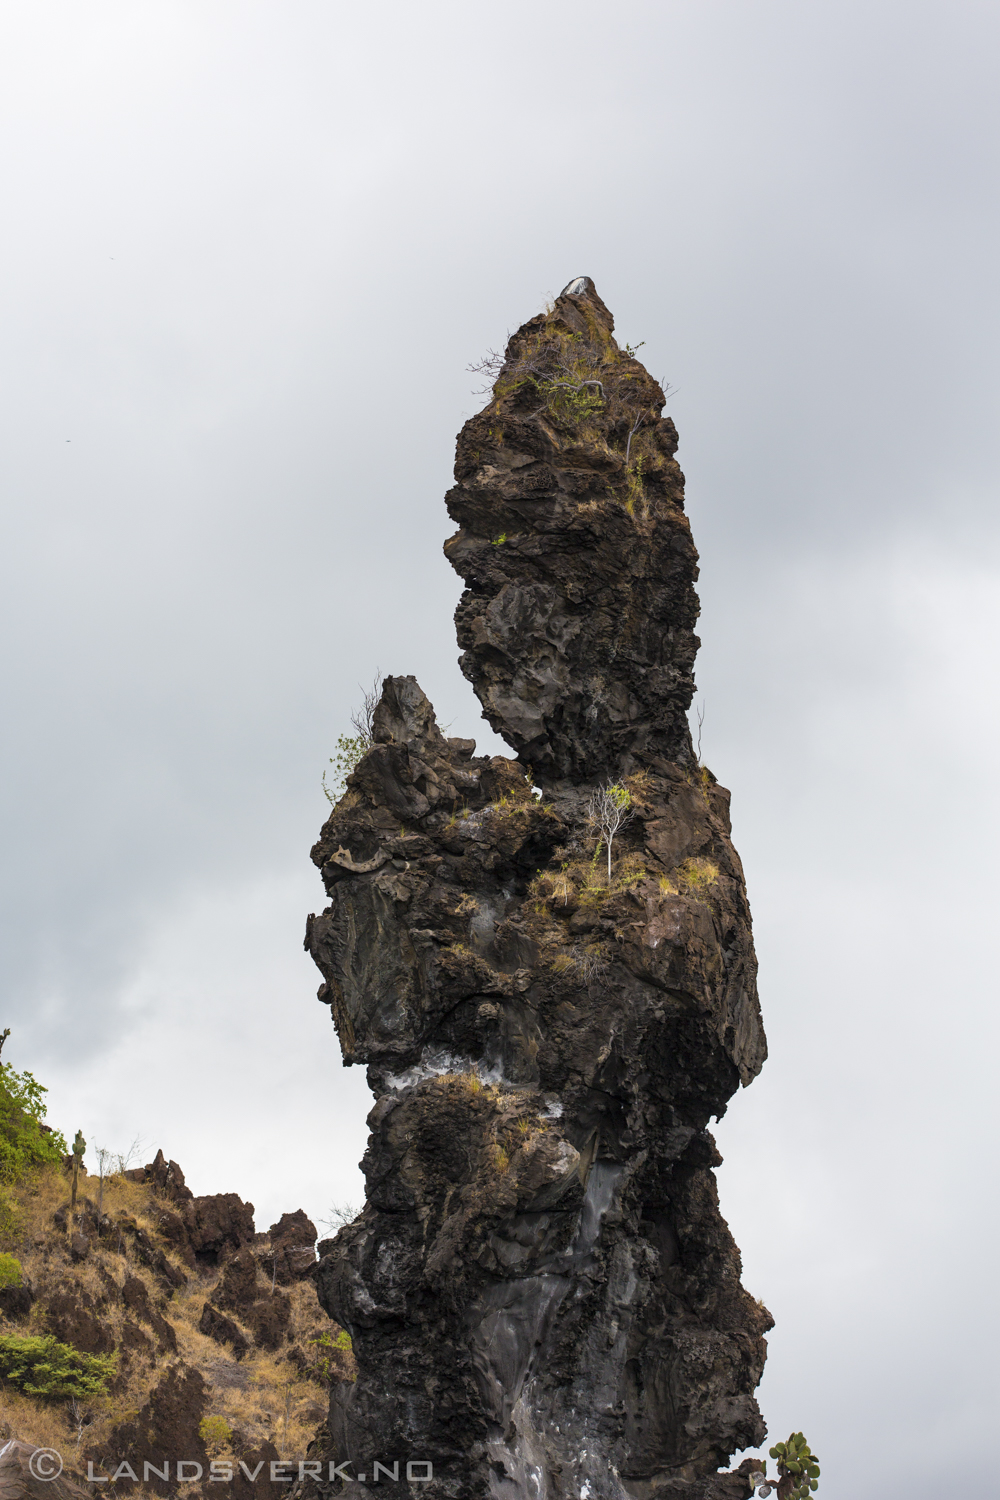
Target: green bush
x: 350, y: 750
x: 797, y: 1462
x: 10, y: 1270
x: 24, y: 1141
x: 45, y: 1367
x: 327, y: 1344
x: 215, y: 1433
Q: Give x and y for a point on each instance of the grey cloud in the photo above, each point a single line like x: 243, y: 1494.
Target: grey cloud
x: 250, y: 253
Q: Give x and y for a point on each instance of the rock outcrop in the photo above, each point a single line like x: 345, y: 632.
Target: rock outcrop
x: 543, y: 1296
x: 28, y: 1472
x: 173, y: 1314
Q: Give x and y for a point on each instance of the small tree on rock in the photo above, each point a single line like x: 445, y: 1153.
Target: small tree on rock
x: 610, y: 809
x: 351, y: 747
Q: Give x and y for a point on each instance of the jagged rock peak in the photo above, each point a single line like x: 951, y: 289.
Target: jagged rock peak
x: 577, y: 620
x: 543, y: 1296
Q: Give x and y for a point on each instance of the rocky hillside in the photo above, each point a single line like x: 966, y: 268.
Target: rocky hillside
x: 545, y: 963
x: 148, y: 1326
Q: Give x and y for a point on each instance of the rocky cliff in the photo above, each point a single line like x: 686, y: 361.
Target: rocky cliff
x: 147, y: 1326
x: 543, y: 1295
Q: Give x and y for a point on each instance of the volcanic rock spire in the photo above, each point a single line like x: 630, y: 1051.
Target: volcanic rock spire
x: 578, y: 626
x: 543, y: 1296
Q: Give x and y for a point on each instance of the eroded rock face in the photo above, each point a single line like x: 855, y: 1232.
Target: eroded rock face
x: 543, y: 1296
x: 578, y: 626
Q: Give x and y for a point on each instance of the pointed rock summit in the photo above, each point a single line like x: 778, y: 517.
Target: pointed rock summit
x: 577, y: 625
x: 546, y: 963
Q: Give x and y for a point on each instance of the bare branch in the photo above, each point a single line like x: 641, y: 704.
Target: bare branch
x: 609, y: 811
x: 362, y: 718
x: 632, y: 432
x: 124, y: 1159
x: 339, y: 1215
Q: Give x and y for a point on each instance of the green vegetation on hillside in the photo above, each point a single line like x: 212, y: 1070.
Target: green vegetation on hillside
x: 25, y: 1142
x: 45, y: 1367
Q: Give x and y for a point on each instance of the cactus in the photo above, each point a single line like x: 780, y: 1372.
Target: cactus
x: 79, y: 1147
x: 798, y: 1471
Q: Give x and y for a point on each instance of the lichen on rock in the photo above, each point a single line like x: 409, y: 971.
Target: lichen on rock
x: 543, y: 1296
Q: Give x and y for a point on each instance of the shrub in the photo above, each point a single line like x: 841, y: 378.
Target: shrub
x: 215, y: 1433
x: 24, y: 1141
x: 10, y: 1270
x: 797, y: 1462
x: 351, y: 748
x: 45, y: 1367
x: 328, y: 1346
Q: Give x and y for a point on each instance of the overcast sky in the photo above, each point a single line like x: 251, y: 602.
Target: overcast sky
x: 248, y: 250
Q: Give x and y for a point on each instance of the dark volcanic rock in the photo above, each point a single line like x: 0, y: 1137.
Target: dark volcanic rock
x: 218, y: 1224
x: 269, y: 1319
x: 136, y: 1299
x: 543, y: 1296
x: 168, y: 1179
x: 578, y: 627
x: 175, y: 1232
x: 125, y: 1233
x: 132, y: 1340
x: 265, y: 1311
x: 223, y: 1330
x: 239, y: 1285
x: 16, y: 1302
x: 165, y: 1430
x: 293, y: 1247
x: 71, y: 1317
x: 24, y: 1477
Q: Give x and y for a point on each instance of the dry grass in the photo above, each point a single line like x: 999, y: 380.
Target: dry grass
x: 263, y: 1396
x: 701, y: 777
x: 639, y: 784
x: 589, y: 962
x: 513, y: 804
x: 36, y: 1422
x: 559, y: 889
x: 471, y: 1083
x: 696, y: 875
x: 628, y: 871
x: 583, y: 883
x: 267, y: 1397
